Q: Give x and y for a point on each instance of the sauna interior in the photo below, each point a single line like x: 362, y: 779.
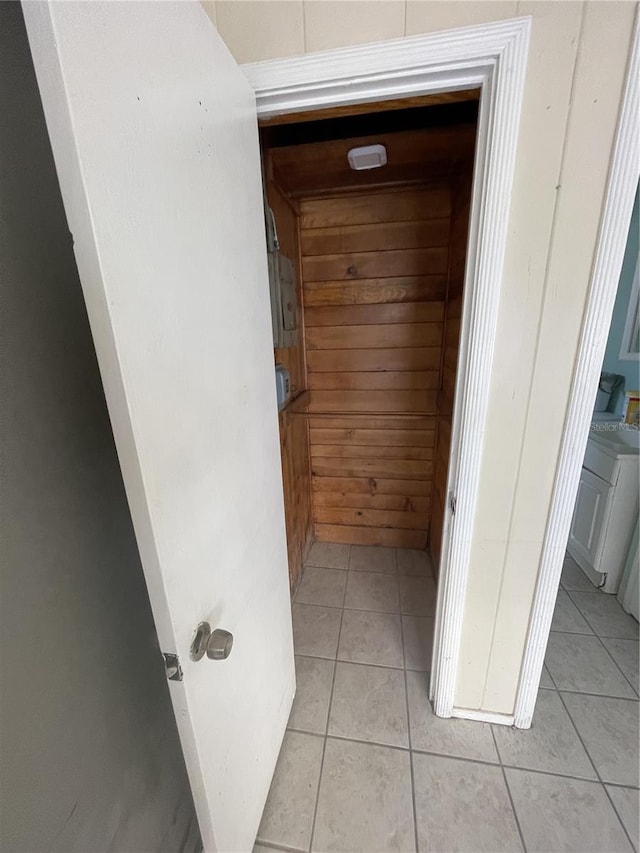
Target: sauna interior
x: 373, y: 316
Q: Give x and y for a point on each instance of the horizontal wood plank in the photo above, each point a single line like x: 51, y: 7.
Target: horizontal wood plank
x: 383, y: 235
x: 400, y: 335
x: 371, y: 486
x: 385, y: 536
x: 372, y: 359
x: 342, y: 110
x: 365, y: 315
x: 376, y: 423
x: 372, y: 291
x: 385, y: 468
x: 375, y: 381
x: 363, y: 451
x: 405, y: 205
x: 372, y: 437
x: 420, y: 402
x: 405, y: 503
x: 371, y: 517
x: 378, y: 264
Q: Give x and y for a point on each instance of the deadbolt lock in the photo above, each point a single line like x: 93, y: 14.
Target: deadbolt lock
x: 216, y: 644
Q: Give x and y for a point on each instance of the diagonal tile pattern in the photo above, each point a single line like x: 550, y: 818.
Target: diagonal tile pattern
x: 366, y: 765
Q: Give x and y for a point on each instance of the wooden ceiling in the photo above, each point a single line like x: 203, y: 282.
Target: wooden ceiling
x: 413, y: 157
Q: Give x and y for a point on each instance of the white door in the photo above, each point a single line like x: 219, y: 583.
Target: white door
x: 154, y: 134
x: 587, y: 526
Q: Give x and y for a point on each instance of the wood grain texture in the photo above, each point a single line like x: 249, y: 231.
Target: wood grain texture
x: 373, y: 451
x: 364, y: 315
x: 380, y: 264
x: 387, y: 336
x: 413, y: 156
x: 371, y: 485
x: 371, y: 517
x: 406, y: 503
x: 375, y: 380
x: 418, y: 402
x: 372, y: 437
x: 384, y: 235
x: 384, y: 536
x: 371, y: 291
x: 461, y: 197
x: 372, y: 468
x: 294, y: 441
x: 343, y: 110
x: 375, y: 276
x: 382, y: 207
x: 374, y: 359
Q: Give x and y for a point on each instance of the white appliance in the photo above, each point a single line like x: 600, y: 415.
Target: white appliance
x: 606, y: 509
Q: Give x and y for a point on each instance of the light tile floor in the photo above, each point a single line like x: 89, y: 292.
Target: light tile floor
x: 366, y: 766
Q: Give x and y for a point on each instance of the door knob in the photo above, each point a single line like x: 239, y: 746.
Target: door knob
x: 216, y: 644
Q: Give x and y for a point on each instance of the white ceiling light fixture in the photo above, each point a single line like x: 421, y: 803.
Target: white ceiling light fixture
x: 367, y: 157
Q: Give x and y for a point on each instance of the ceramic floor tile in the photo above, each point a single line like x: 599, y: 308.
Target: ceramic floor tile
x: 288, y: 815
x: 412, y: 562
x: 328, y: 555
x: 605, y: 615
x: 370, y: 558
x: 369, y: 704
x: 448, y: 737
x: 581, y: 663
x: 625, y: 654
x: 365, y: 800
x: 315, y: 630
x: 627, y: 804
x: 462, y: 806
x: 372, y: 591
x: 314, y: 678
x: 418, y: 641
x: 322, y: 586
x: 573, y: 578
x: 551, y: 744
x: 368, y: 637
x: 609, y: 730
x: 567, y: 617
x: 545, y: 679
x: 565, y: 815
x: 417, y: 596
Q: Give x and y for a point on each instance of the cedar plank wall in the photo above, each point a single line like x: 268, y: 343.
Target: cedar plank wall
x: 461, y: 200
x: 375, y: 278
x: 294, y: 443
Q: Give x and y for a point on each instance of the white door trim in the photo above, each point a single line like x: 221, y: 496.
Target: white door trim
x: 605, y: 273
x: 493, y: 57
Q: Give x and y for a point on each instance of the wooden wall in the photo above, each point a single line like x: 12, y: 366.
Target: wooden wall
x: 294, y: 444
x: 375, y: 269
x: 461, y: 199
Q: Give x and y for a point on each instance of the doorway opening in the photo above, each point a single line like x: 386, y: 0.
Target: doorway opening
x: 369, y: 332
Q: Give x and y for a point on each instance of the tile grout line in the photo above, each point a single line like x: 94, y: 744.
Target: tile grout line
x: 506, y: 782
x: 466, y: 759
x: 588, y: 693
x: 596, y: 634
x: 610, y: 596
x: 365, y: 663
x: 593, y: 764
x: 326, y: 730
x: 406, y: 698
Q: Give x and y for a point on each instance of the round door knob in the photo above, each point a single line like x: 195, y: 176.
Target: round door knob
x: 216, y: 644
x: 219, y: 645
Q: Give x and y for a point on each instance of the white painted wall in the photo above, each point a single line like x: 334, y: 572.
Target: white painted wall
x: 89, y: 753
x: 578, y: 58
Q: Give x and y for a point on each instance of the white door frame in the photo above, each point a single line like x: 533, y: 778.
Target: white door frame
x: 605, y: 273
x: 492, y: 57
